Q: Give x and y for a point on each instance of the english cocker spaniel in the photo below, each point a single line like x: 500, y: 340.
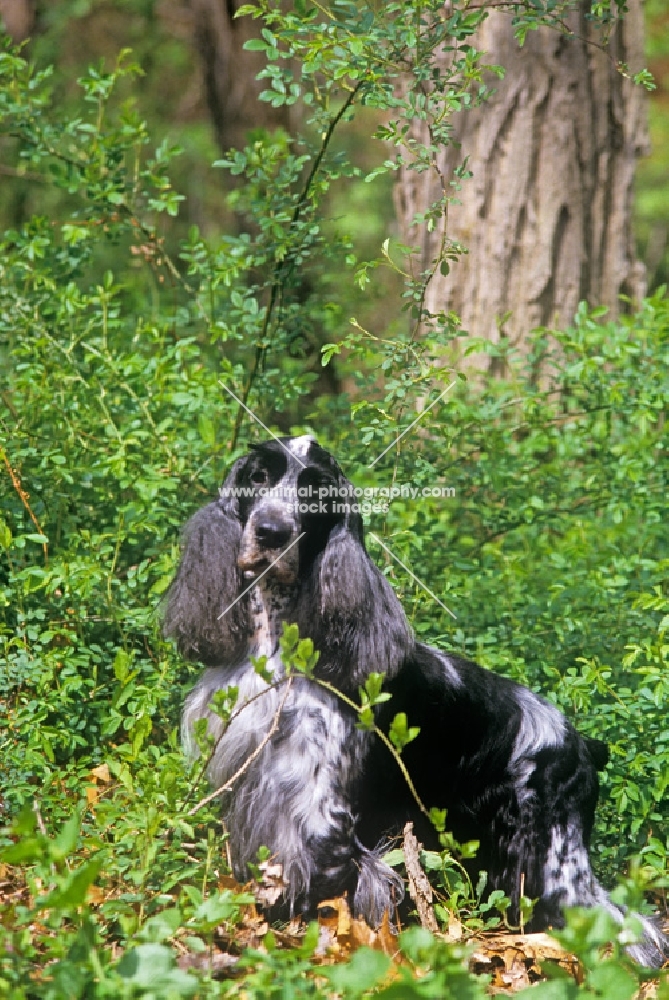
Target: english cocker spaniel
x: 324, y: 795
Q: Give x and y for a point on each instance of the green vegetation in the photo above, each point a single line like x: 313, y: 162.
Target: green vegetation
x: 114, y: 427
x: 652, y: 204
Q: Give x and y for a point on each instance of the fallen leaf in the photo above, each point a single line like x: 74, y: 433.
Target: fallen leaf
x: 92, y: 795
x: 514, y: 960
x: 271, y: 886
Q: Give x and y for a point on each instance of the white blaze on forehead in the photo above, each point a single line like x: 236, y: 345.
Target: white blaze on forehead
x: 300, y: 445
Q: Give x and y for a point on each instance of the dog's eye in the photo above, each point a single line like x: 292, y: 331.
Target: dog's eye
x: 258, y: 477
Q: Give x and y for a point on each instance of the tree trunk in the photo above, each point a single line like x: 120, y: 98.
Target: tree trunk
x: 547, y: 215
x: 230, y: 72
x: 18, y: 17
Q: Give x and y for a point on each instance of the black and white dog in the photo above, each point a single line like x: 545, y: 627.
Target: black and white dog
x: 323, y: 795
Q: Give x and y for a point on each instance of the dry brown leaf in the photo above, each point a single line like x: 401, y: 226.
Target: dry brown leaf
x: 363, y: 935
x: 101, y: 773
x: 386, y: 938
x: 334, y: 921
x: 516, y: 974
x: 228, y: 882
x: 95, y: 895
x: 514, y: 960
x: 248, y: 933
x: 341, y: 933
x: 92, y: 795
x: 455, y: 931
x: 647, y: 991
x: 98, y: 775
x: 292, y: 934
x: 335, y: 914
x: 271, y: 886
x: 216, y: 964
x: 326, y: 947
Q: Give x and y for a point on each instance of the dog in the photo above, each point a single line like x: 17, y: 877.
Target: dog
x: 284, y: 544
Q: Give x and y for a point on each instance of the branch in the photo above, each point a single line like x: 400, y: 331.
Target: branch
x: 420, y: 889
x: 233, y: 716
x: 281, y: 266
x: 23, y: 496
x: 384, y: 739
x: 249, y: 760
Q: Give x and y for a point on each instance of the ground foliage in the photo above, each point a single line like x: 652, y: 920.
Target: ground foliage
x: 115, y: 427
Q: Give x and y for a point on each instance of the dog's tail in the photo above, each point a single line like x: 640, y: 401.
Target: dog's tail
x: 652, y: 947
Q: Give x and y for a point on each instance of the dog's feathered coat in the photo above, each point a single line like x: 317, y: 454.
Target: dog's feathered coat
x: 322, y: 795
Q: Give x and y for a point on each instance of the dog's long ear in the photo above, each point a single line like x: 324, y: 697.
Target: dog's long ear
x: 208, y: 581
x: 358, y: 624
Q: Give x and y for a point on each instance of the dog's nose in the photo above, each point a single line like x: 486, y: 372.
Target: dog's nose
x: 272, y: 534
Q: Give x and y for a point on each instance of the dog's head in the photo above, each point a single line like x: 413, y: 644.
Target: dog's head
x: 288, y: 495
x: 286, y: 515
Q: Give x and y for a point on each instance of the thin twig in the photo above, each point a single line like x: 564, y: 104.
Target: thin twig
x: 280, y: 266
x: 249, y: 760
x: 22, y: 175
x: 273, y: 728
x: 237, y: 712
x: 23, y: 496
x: 384, y: 739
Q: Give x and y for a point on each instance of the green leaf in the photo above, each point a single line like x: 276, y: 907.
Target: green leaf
x: 400, y: 733
x: 162, y: 926
x: 438, y: 819
x: 221, y: 907
x: 556, y: 989
x: 151, y: 968
x: 365, y: 718
x: 394, y: 858
x: 65, y: 842
x: 372, y: 693
x: 122, y: 663
x: 206, y: 429
x: 72, y: 891
x: 364, y: 971
x: 613, y: 981
x: 5, y: 534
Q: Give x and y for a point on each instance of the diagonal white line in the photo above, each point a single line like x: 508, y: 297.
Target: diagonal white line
x: 259, y: 421
x: 412, y: 575
x: 252, y: 585
x: 406, y: 431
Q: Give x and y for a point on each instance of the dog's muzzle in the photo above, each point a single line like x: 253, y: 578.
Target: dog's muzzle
x: 266, y: 537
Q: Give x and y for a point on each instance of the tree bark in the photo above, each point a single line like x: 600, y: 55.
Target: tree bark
x: 547, y: 215
x: 230, y: 72
x: 18, y: 17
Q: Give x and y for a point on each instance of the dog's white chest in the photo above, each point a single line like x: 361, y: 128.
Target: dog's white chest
x: 293, y: 788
